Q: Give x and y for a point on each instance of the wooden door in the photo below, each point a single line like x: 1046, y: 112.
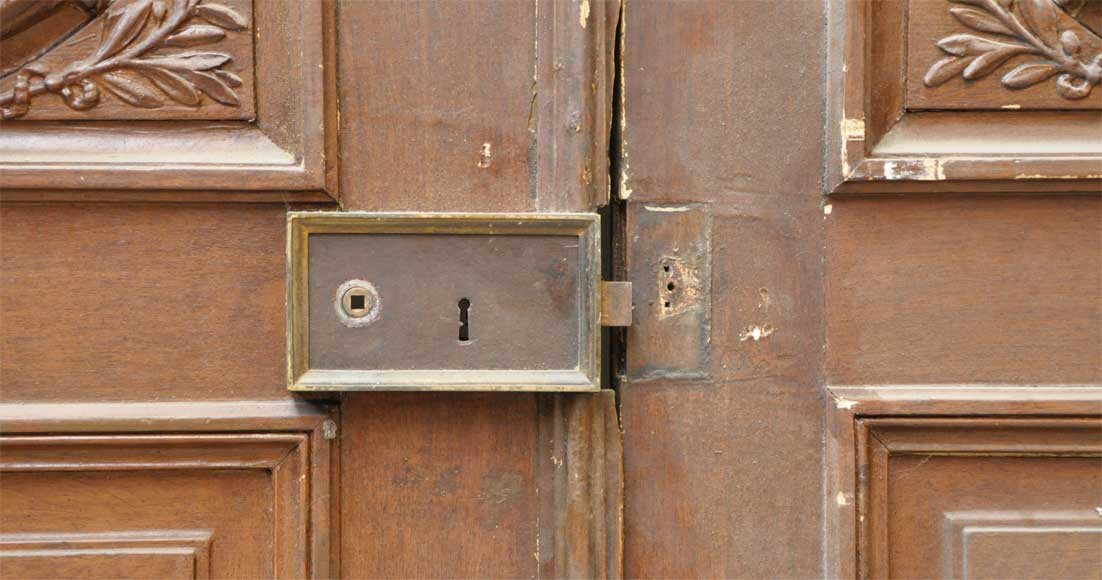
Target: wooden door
x: 865, y: 257
x: 866, y: 261
x: 149, y: 155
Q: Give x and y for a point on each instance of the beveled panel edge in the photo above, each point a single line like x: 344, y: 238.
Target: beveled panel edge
x: 967, y: 399
x: 846, y: 451
x: 853, y: 167
x: 225, y: 416
x: 308, y: 471
x: 293, y: 143
x: 300, y: 224
x: 193, y: 543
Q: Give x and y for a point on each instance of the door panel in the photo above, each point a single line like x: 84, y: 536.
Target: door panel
x: 106, y: 302
x: 941, y: 290
x: 192, y: 489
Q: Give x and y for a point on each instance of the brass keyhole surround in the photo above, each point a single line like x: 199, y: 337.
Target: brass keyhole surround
x: 357, y: 303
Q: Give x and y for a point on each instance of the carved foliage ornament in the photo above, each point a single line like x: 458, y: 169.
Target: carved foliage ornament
x: 147, y: 52
x: 1009, y: 28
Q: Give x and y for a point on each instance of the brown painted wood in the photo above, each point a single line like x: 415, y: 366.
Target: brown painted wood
x: 987, y: 447
x: 142, y: 302
x: 129, y: 92
x: 965, y: 290
x: 1022, y: 484
x: 929, y: 21
x: 206, y: 490
x: 143, y: 398
x: 723, y: 467
x: 283, y: 138
x: 522, y: 127
x: 879, y: 52
x: 179, y: 308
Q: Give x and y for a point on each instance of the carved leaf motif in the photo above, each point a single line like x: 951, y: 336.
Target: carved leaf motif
x: 981, y: 21
x: 122, y: 27
x: 187, y: 60
x: 173, y: 85
x: 1031, y: 27
x: 212, y: 87
x: 195, y: 35
x: 222, y: 16
x: 945, y: 69
x: 131, y: 91
x: 1029, y: 74
x: 968, y: 44
x: 130, y: 57
x: 229, y: 78
x: 989, y: 61
x: 1040, y: 16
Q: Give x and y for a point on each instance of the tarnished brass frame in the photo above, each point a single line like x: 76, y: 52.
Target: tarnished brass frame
x: 584, y: 377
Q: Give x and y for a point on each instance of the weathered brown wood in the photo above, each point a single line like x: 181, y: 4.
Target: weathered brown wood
x: 930, y: 21
x: 723, y: 471
x: 520, y: 127
x: 207, y: 489
x: 874, y: 524
x: 875, y: 90
x: 169, y: 88
x: 579, y: 463
x: 160, y: 554
x: 1032, y: 472
x: 422, y: 476
x: 965, y: 290
x: 284, y: 138
x: 163, y: 302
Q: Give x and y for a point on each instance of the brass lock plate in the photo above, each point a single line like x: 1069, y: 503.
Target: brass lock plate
x: 480, y: 302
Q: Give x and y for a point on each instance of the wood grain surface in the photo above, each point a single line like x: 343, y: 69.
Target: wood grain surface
x: 965, y: 290
x: 142, y: 302
x: 723, y: 471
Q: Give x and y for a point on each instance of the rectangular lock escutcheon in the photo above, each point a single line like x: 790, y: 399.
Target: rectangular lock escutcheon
x: 415, y: 301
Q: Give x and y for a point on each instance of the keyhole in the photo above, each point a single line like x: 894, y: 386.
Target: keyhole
x: 464, y: 322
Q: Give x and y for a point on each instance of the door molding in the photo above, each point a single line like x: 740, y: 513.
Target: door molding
x: 853, y: 410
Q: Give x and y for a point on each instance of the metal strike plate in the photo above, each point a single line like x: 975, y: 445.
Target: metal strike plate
x: 479, y: 302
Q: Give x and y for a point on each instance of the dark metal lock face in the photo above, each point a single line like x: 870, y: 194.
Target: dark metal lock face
x: 444, y: 302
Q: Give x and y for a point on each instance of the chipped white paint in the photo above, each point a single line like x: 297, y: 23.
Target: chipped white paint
x: 625, y: 191
x: 1011, y: 107
x: 844, y: 404
x: 583, y: 13
x: 853, y: 129
x: 827, y: 209
x: 485, y: 156
x: 671, y: 209
x: 914, y: 170
x: 1043, y: 176
x: 1099, y: 510
x: 841, y: 500
x: 756, y: 333
x: 556, y: 461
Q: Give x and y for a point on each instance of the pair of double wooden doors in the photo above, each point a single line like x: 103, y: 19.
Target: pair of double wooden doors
x: 864, y: 254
